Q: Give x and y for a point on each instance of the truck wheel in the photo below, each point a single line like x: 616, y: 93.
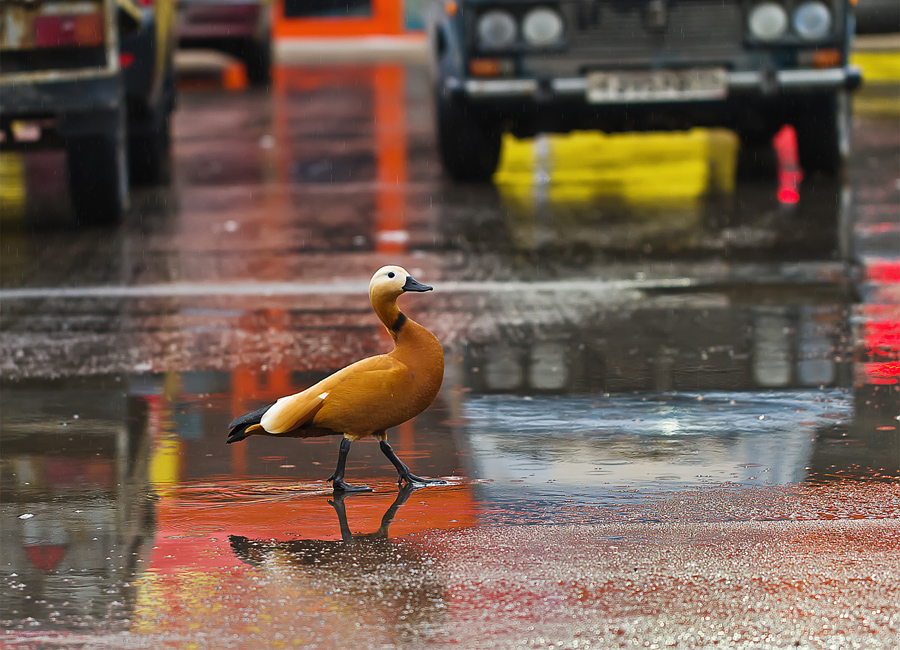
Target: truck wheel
x: 823, y: 133
x: 148, y: 153
x: 98, y: 178
x: 469, y: 144
x: 257, y: 58
x: 149, y: 143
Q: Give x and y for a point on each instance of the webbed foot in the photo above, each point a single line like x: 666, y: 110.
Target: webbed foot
x: 340, y: 485
x: 414, y: 481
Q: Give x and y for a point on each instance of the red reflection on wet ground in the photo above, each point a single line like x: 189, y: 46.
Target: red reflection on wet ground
x: 280, y: 510
x: 883, y: 270
x: 46, y: 557
x: 879, y: 329
x: 386, y: 86
x: 887, y: 374
x: 790, y: 175
x: 262, y: 560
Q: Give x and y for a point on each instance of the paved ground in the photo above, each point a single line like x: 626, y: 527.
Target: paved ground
x: 669, y: 417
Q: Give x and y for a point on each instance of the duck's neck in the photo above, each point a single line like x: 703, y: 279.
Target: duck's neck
x: 408, y: 335
x: 389, y: 314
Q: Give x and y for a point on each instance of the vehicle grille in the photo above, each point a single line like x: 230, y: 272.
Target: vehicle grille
x: 617, y: 31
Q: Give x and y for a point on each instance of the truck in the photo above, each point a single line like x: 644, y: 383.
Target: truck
x: 529, y: 66
x: 95, y: 77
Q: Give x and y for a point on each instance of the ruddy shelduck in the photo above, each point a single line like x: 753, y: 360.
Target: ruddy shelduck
x: 367, y: 397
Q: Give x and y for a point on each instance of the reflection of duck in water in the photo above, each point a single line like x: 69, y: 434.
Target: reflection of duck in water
x: 395, y: 580
x: 255, y: 552
x: 368, y: 397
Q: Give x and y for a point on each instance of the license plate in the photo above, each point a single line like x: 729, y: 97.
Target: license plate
x: 657, y: 86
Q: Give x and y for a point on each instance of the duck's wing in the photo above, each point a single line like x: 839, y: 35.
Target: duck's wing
x: 293, y: 411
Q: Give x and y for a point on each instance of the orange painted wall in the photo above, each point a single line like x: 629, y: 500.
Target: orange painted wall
x: 386, y: 19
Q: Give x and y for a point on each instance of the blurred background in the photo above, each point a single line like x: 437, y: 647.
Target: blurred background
x: 664, y: 238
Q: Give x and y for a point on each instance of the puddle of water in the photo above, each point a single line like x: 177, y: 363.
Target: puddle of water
x: 123, y: 509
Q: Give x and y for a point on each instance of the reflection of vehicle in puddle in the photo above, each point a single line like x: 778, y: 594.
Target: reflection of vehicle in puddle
x: 665, y: 193
x: 701, y: 342
x: 602, y: 457
x: 614, y: 398
x: 646, y: 444
x: 75, y: 519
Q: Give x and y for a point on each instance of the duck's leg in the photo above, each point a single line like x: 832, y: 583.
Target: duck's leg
x: 403, y: 470
x: 337, y: 479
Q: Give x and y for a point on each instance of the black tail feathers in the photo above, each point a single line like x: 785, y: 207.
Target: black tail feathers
x: 237, y: 434
x: 241, y: 424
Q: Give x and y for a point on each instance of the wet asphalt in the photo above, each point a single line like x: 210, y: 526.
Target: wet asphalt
x: 669, y: 416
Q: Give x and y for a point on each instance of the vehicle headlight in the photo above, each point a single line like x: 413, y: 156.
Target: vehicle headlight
x: 496, y: 30
x: 542, y: 27
x: 812, y: 21
x: 768, y: 21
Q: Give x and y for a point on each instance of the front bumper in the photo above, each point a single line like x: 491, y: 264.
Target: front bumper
x: 743, y: 82
x: 56, y: 93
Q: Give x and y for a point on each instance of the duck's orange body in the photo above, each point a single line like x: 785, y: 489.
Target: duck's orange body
x: 368, y: 397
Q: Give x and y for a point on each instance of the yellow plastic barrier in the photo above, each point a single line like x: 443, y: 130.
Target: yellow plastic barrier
x: 644, y: 169
x: 12, y: 186
x: 878, y: 67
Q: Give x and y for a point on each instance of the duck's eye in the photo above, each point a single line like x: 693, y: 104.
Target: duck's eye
x: 390, y: 274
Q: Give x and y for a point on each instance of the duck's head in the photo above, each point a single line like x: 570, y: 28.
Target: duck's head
x: 390, y: 281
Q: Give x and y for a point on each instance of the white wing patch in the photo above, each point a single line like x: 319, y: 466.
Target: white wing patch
x: 286, y: 414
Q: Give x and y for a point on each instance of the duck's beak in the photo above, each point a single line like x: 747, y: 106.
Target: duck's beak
x: 415, y: 285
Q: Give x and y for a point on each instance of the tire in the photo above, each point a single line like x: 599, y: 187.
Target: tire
x: 469, y: 144
x: 98, y: 177
x: 257, y: 58
x: 823, y: 133
x: 149, y: 153
x: 149, y: 143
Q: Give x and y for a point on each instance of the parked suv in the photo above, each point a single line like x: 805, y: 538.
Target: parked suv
x: 95, y: 77
x: 532, y: 66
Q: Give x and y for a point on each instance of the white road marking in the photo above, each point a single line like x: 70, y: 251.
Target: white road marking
x: 189, y: 289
